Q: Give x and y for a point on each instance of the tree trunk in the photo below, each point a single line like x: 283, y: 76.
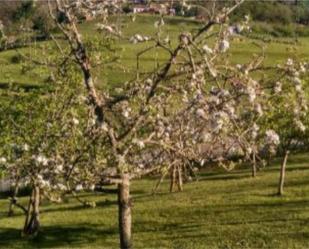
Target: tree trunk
x: 282, y: 173
x: 173, y: 178
x: 13, y: 199
x: 253, y: 165
x: 32, y: 223
x: 124, y: 208
x: 179, y: 178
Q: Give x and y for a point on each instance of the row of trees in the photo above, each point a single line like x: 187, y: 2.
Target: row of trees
x: 196, y: 107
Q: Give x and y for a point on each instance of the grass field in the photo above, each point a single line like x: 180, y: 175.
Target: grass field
x: 242, y: 50
x: 221, y: 210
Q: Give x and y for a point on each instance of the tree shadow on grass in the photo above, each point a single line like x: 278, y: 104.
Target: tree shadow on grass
x: 225, y: 176
x: 288, y: 168
x: 57, y: 237
x: 51, y: 209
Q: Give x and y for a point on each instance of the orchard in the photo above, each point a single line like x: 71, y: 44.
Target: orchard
x: 117, y: 106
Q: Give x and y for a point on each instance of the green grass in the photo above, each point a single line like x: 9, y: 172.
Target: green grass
x: 242, y: 51
x: 221, y: 210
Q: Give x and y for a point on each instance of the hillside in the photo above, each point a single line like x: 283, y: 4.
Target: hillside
x: 18, y: 71
x: 221, y: 210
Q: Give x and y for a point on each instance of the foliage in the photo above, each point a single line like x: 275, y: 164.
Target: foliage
x: 272, y: 12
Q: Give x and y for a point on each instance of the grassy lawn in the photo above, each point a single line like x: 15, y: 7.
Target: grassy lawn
x: 242, y: 49
x: 221, y: 210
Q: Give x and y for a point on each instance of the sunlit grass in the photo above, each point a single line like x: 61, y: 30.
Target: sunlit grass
x: 221, y: 210
x: 242, y: 50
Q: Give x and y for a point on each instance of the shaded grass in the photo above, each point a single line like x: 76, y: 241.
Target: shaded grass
x: 221, y: 210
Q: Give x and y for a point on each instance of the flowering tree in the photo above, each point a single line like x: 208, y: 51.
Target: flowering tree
x: 142, y: 100
x: 48, y: 147
x: 287, y: 109
x: 196, y: 107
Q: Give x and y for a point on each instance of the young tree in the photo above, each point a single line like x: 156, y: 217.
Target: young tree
x: 160, y: 120
x: 49, y: 148
x: 141, y: 100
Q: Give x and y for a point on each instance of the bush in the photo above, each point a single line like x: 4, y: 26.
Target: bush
x: 25, y: 10
x: 180, y: 11
x: 42, y: 21
x: 16, y: 59
x: 279, y: 30
x: 266, y: 12
x: 127, y: 9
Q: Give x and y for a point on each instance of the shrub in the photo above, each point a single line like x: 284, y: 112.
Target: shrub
x: 25, y: 10
x: 127, y: 9
x: 266, y: 12
x: 42, y: 21
x: 16, y: 59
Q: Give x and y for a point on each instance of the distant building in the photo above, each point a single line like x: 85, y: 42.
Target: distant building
x: 153, y: 8
x: 140, y: 9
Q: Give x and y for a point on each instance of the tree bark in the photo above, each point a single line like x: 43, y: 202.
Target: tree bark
x: 253, y: 165
x: 32, y: 222
x: 173, y: 178
x: 124, y: 208
x: 282, y: 173
x: 13, y: 199
x: 179, y: 180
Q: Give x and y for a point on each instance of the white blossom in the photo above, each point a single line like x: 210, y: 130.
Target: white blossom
x: 200, y: 113
x: 207, y: 49
x: 103, y: 27
x: 139, y: 38
x: 297, y: 80
x: 59, y: 168
x: 206, y: 137
x: 231, y: 30
x: 40, y: 159
x: 139, y: 143
x: 79, y: 187
x: 104, y: 127
x: 298, y: 88
x: 75, y: 121
x: 149, y: 81
x: 214, y: 100
x: 43, y: 183
x: 224, y: 46
x: 251, y: 94
x: 290, y: 62
x: 254, y: 130
x: 126, y: 113
x: 235, y: 151
x: 272, y: 138
x: 3, y: 160
x: 258, y: 109
x: 278, y: 87
x: 300, y: 125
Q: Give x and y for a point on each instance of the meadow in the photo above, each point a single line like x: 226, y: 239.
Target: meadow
x: 16, y: 71
x: 221, y: 210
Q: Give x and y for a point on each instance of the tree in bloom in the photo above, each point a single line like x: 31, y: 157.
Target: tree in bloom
x: 195, y: 107
x: 48, y: 146
x: 129, y: 120
x: 287, y: 110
